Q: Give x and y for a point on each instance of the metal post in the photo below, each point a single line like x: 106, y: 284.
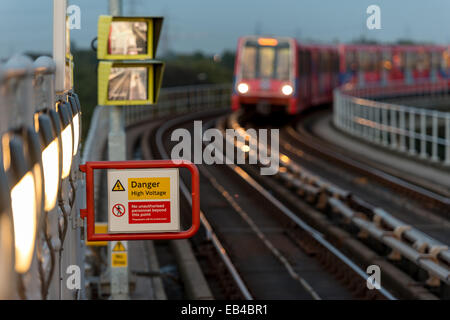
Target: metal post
x: 447, y: 140
x: 117, y: 152
x: 59, y: 43
x: 434, y: 152
x: 412, y: 132
x: 59, y: 57
x: 402, y: 130
x: 384, y: 126
x: 393, y: 127
x: 378, y: 122
x: 423, y: 135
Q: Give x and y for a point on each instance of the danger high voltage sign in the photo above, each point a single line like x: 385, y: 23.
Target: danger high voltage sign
x: 150, y: 203
x: 148, y: 188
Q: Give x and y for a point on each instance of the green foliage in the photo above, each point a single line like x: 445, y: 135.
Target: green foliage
x: 198, y: 68
x: 180, y: 70
x: 85, y: 84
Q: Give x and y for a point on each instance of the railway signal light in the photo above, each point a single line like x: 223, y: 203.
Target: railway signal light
x: 131, y: 76
x: 128, y: 38
x: 129, y: 83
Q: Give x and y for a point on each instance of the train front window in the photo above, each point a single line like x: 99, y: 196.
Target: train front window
x: 249, y: 62
x: 265, y: 61
x: 282, y: 70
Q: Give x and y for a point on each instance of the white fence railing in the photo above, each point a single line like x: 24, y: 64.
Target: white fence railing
x: 419, y: 132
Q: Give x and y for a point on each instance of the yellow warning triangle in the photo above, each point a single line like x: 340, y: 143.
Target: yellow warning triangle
x: 118, y: 186
x: 119, y: 247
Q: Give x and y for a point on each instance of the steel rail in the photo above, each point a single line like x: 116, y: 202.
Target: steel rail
x: 210, y: 232
x: 319, y: 237
x: 389, y: 238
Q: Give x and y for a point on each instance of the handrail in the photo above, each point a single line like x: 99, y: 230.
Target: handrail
x: 422, y: 133
x: 27, y: 92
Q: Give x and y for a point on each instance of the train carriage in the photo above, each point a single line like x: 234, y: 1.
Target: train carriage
x: 265, y: 73
x: 278, y: 74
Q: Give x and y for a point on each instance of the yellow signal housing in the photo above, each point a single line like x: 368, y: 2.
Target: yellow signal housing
x: 129, y: 83
x: 128, y: 38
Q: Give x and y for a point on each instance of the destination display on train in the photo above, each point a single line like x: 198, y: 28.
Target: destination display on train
x: 143, y: 200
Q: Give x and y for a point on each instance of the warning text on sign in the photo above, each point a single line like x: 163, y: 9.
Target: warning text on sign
x: 149, y: 212
x: 148, y: 188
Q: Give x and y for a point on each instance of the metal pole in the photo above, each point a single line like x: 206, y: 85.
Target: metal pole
x: 59, y: 57
x: 117, y: 152
x: 59, y: 43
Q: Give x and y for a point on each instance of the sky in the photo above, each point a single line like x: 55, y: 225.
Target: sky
x: 213, y: 26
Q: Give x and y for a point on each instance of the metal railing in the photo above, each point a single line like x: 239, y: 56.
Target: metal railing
x: 419, y: 132
x: 178, y: 100
x: 27, y: 90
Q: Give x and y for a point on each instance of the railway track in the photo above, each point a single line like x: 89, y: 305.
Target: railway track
x: 430, y: 196
x: 284, y: 258
x: 274, y: 229
x: 372, y: 225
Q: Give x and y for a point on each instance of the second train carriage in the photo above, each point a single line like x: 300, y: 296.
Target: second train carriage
x: 278, y: 73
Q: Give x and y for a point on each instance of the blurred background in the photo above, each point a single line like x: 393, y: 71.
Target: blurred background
x: 199, y: 37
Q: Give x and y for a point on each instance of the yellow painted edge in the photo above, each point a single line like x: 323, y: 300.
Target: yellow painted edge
x: 100, y: 227
x: 104, y: 69
x: 150, y: 38
x: 150, y: 83
x: 104, y: 23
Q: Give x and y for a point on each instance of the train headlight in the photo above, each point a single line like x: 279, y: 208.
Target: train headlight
x: 287, y: 89
x: 242, y: 87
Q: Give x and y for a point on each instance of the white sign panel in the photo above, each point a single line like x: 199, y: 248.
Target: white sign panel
x: 143, y: 200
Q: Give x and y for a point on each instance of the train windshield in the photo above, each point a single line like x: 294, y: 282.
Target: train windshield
x: 266, y: 61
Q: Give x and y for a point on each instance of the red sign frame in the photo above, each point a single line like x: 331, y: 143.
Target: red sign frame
x: 89, y: 212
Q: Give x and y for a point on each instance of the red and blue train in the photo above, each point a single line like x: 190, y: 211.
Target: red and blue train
x: 276, y: 73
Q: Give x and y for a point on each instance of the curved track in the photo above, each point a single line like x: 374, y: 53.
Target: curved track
x: 283, y: 258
